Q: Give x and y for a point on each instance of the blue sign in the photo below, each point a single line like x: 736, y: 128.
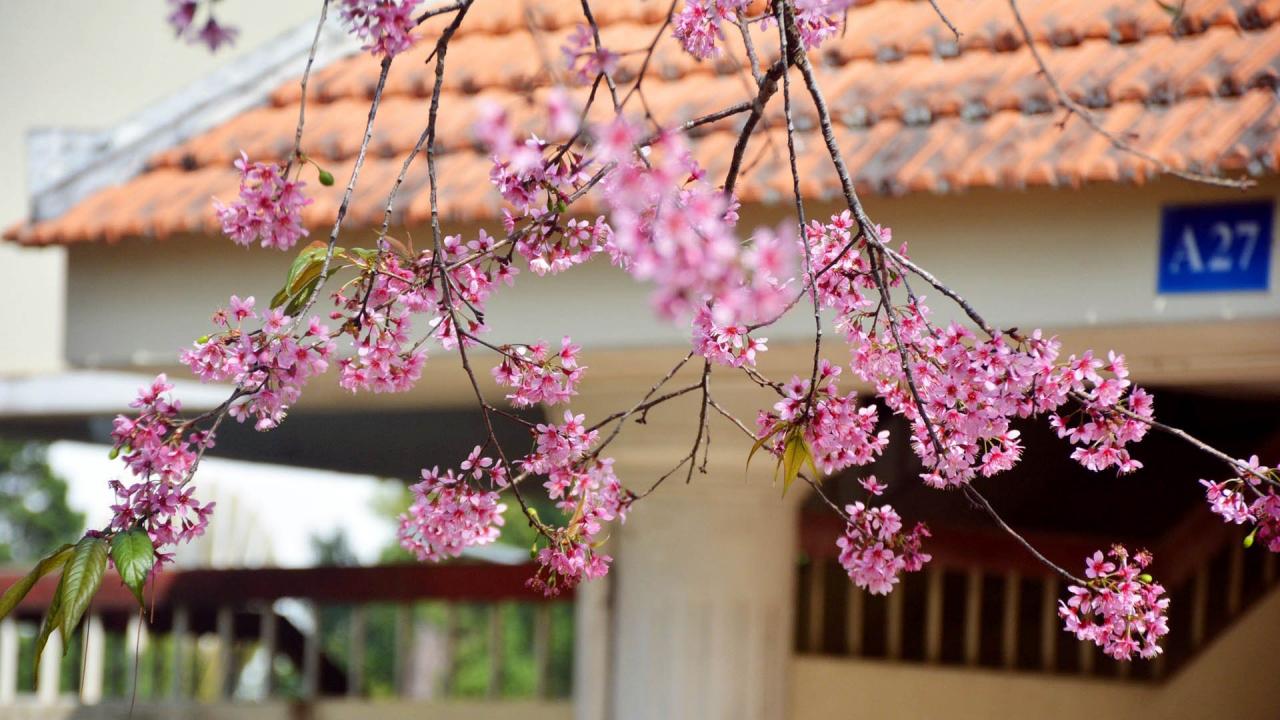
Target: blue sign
x: 1211, y: 248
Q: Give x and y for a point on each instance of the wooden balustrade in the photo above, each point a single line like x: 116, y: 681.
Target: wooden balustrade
x: 984, y: 602
x: 218, y: 635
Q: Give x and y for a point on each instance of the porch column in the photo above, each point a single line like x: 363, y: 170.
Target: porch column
x: 705, y: 594
x: 703, y: 577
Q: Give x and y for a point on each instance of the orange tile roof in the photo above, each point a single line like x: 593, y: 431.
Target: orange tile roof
x: 918, y: 111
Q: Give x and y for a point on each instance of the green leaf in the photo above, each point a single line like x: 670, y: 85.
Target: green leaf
x: 80, y: 580
x: 304, y: 274
x: 794, y: 454
x: 761, y: 442
x: 134, y: 557
x: 19, y: 590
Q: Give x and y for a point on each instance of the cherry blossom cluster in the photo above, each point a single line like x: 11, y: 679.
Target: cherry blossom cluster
x: 539, y: 376
x: 673, y: 228
x: 450, y: 514
x: 161, y: 453
x: 730, y: 345
x: 591, y: 494
x: 839, y: 432
x: 268, y: 366
x: 536, y: 177
x: 385, y: 26
x: 1118, y: 608
x: 875, y: 550
x: 1231, y: 500
x: 699, y: 25
x: 380, y: 320
x: 268, y: 209
x: 1108, y: 419
x: 583, y: 60
x: 182, y: 18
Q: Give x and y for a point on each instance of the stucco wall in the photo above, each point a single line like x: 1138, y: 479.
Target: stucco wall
x: 71, y: 63
x: 1052, y: 258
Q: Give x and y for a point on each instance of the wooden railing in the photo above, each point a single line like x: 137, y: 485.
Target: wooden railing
x: 984, y: 602
x: 299, y: 634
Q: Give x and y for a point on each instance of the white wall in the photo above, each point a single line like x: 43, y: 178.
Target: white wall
x: 1043, y: 258
x: 73, y: 63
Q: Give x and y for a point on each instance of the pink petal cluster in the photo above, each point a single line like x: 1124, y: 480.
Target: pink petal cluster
x: 269, y: 365
x: 591, y: 495
x: 537, y: 375
x: 449, y: 514
x: 698, y: 25
x: 161, y: 453
x: 1231, y: 499
x: 581, y: 58
x: 558, y: 447
x: 875, y: 551
x: 379, y: 318
x: 840, y: 433
x: 672, y: 228
x: 1110, y: 416
x: 182, y: 16
x: 730, y: 345
x: 1118, y: 608
x: 385, y: 26
x: 269, y: 208
x: 536, y: 177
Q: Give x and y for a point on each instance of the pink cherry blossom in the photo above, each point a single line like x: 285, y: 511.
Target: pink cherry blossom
x: 385, y: 26
x: 874, y: 550
x: 268, y: 209
x: 1119, y: 608
x: 449, y: 514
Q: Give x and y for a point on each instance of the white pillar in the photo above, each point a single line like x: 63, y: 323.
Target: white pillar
x: 94, y: 651
x: 8, y: 661
x: 705, y: 595
x: 49, y: 670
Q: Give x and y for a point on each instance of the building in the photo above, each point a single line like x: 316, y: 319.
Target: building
x: 724, y: 601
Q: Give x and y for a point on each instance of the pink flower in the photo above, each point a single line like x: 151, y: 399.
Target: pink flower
x: 449, y: 515
x: 269, y: 207
x: 875, y: 551
x: 1119, y: 608
x: 386, y: 26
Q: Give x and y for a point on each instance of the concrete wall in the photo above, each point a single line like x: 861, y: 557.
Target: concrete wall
x: 1044, y: 258
x: 70, y: 63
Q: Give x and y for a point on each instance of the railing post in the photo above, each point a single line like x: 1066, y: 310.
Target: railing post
x: 48, y: 674
x: 817, y: 605
x: 854, y: 624
x: 1235, y: 579
x: 8, y: 661
x: 893, y: 623
x: 93, y: 654
x: 541, y: 648
x: 403, y: 648
x: 1009, y: 633
x: 495, y: 650
x: 450, y: 648
x: 1199, y: 605
x: 355, y: 657
x: 133, y: 643
x: 1268, y: 568
x: 225, y: 674
x: 1049, y: 624
x: 179, y: 666
x: 311, y: 655
x: 267, y: 634
x: 973, y: 617
x: 933, y: 615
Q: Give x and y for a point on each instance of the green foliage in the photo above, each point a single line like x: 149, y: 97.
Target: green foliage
x: 134, y: 557
x: 81, y: 576
x: 34, y: 515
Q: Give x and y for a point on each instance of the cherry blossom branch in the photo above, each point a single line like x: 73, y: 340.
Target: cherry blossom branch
x: 981, y: 501
x: 306, y: 75
x: 595, y: 37
x: 945, y: 20
x: 1074, y: 108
